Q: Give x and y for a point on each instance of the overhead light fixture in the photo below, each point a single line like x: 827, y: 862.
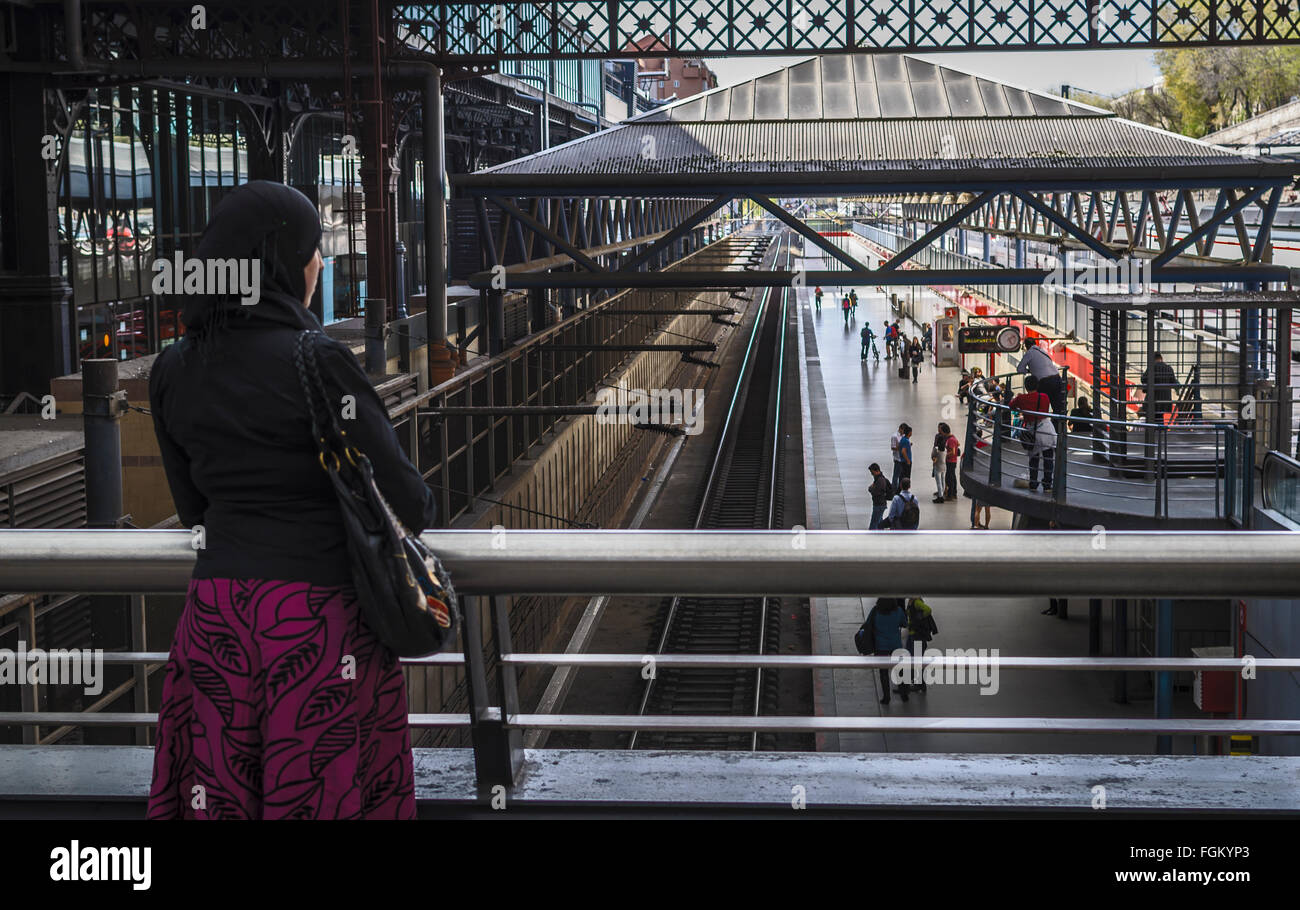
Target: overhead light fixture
x: 949, y: 199
x: 965, y: 198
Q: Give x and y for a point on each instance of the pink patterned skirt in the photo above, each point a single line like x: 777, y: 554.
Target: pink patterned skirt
x: 279, y: 703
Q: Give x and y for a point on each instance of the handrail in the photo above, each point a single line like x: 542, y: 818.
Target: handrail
x: 1103, y: 422
x: 730, y: 563
x: 1124, y: 447
x: 1196, y: 564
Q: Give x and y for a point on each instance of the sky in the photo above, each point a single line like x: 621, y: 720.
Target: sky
x: 1100, y: 72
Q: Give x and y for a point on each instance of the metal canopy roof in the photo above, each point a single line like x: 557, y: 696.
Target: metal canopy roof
x: 866, y: 122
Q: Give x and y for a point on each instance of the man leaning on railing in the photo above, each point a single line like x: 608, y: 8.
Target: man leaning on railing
x: 1039, y: 364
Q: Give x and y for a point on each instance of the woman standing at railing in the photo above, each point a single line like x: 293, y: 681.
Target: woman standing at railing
x: 1037, y: 434
x: 278, y: 701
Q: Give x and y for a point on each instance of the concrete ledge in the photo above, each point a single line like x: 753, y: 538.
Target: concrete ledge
x: 37, y: 781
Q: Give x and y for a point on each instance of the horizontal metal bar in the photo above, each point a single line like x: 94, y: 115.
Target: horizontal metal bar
x: 854, y: 662
x: 769, y: 724
x: 1173, y: 564
x: 810, y: 661
x: 695, y: 723
x: 759, y: 278
x: 140, y: 719
x: 676, y: 348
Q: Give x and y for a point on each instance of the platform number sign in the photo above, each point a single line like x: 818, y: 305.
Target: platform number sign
x: 988, y: 339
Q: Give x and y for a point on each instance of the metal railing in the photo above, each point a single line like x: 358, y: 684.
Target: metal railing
x: 826, y: 563
x: 1162, y: 470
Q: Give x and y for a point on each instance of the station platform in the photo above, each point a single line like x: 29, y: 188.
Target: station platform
x: 851, y: 408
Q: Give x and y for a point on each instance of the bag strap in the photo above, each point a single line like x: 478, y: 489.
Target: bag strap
x: 325, y: 430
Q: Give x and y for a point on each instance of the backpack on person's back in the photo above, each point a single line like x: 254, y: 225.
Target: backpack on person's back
x: 910, y: 518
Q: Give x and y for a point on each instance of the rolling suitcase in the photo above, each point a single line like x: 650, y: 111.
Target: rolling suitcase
x: 902, y: 370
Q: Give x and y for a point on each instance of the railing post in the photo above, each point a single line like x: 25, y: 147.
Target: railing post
x: 1230, y: 472
x: 102, y: 406
x: 1164, y: 679
x: 492, y: 761
x: 1060, y: 467
x: 507, y: 686
x: 968, y: 455
x: 1247, y: 480
x: 1161, y: 468
x: 995, y: 455
x: 1119, y: 645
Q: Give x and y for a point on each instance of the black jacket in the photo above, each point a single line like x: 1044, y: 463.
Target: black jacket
x: 237, y: 449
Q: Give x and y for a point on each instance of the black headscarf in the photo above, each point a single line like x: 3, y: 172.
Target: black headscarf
x: 269, y: 222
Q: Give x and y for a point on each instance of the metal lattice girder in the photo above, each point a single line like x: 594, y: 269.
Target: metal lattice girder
x: 1121, y: 221
x: 485, y: 33
x: 515, y: 30
x: 1170, y: 274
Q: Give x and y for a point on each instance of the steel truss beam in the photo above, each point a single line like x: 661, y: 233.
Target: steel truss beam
x: 482, y: 34
x: 1122, y: 222
x: 700, y: 280
x: 1060, y: 217
x: 516, y: 30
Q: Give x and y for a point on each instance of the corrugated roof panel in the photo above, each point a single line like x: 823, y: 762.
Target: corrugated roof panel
x: 770, y: 100
x: 826, y: 119
x: 1069, y: 145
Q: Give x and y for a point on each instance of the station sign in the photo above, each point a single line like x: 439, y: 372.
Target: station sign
x: 988, y: 339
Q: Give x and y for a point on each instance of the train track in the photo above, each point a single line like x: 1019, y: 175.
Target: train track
x: 743, y: 491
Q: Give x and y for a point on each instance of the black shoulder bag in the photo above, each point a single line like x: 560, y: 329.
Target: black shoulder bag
x: 405, y: 594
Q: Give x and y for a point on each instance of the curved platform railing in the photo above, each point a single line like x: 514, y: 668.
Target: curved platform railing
x: 1197, y: 471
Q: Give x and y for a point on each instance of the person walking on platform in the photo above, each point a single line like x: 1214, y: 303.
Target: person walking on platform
x: 916, y: 356
x: 975, y: 507
x: 817, y: 297
x: 853, y: 300
x: 881, y: 492
x: 1039, y: 364
x: 921, y: 629
x: 844, y: 305
x: 869, y: 342
x: 882, y: 634
x: 278, y: 700
x: 927, y: 337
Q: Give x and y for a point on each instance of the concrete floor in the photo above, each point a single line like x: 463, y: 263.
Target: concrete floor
x: 851, y: 409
